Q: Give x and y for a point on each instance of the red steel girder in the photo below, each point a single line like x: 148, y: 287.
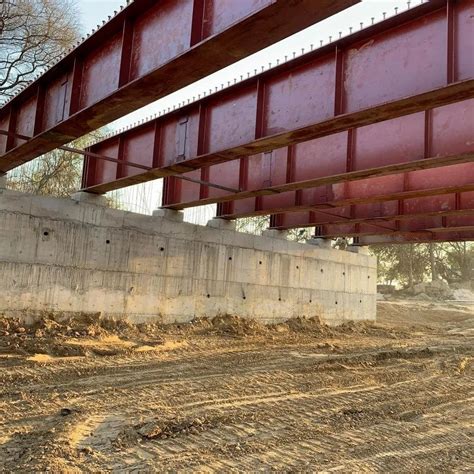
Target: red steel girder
x: 335, y: 167
x: 418, y: 225
x: 148, y: 50
x: 380, y: 215
x: 411, y: 62
x: 415, y: 237
x: 403, y: 186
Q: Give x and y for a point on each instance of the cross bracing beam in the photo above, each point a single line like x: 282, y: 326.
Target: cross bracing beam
x: 146, y: 51
x: 419, y: 225
x: 447, y: 180
x: 380, y: 213
x: 405, y: 65
x: 416, y: 237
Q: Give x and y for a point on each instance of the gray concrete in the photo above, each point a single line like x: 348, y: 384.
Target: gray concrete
x: 65, y: 256
x: 217, y: 223
x: 90, y: 198
x: 362, y: 249
x: 3, y: 181
x: 275, y: 234
x: 169, y: 214
x: 319, y: 242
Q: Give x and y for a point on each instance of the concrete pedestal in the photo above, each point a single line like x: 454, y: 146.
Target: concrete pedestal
x: 169, y: 214
x: 225, y: 224
x: 90, y: 198
x: 321, y: 243
x: 275, y: 234
x: 360, y: 249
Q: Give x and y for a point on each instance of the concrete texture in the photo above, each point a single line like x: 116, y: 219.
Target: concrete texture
x: 319, y: 242
x: 72, y: 256
x: 169, y: 214
x: 3, y: 181
x: 275, y: 234
x: 225, y: 224
x: 90, y: 198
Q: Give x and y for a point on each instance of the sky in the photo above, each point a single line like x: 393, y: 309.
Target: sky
x: 144, y: 198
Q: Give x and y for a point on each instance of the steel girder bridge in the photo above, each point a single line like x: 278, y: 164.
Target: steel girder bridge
x: 370, y: 135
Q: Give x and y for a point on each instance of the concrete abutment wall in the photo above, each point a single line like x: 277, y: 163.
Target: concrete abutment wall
x: 60, y: 255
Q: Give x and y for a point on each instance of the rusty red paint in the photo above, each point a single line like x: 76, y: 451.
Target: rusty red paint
x: 301, y: 100
x: 333, y: 168
x: 423, y: 224
x: 381, y: 212
x: 128, y: 63
x: 403, y: 186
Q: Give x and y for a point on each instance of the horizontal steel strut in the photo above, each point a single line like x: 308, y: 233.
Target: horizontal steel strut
x: 80, y: 152
x: 438, y: 224
x: 327, y: 202
x: 442, y: 205
x: 415, y: 237
x: 350, y: 83
x: 129, y: 62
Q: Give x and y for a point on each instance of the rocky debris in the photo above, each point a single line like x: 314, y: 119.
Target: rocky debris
x: 422, y: 297
x: 463, y: 294
x: 438, y: 289
x: 386, y: 289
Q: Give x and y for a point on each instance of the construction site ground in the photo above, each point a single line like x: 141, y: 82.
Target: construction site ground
x: 233, y: 395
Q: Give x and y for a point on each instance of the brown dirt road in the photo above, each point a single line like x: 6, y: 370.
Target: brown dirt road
x: 234, y: 396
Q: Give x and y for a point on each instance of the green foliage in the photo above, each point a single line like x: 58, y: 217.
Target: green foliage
x: 413, y: 263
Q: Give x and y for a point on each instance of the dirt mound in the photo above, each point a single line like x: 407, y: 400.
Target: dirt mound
x: 432, y: 314
x: 236, y: 326
x: 227, y: 325
x: 86, y: 334
x: 55, y: 336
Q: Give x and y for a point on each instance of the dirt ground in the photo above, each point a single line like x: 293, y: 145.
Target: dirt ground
x: 231, y: 395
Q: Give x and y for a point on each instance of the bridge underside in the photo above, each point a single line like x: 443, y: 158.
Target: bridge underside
x: 369, y: 136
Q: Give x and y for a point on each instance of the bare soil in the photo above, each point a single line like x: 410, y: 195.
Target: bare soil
x: 232, y: 395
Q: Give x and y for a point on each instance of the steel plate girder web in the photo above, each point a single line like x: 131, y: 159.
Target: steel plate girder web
x: 381, y: 214
x: 329, y: 168
x: 394, y: 68
x: 415, y: 184
x: 146, y: 51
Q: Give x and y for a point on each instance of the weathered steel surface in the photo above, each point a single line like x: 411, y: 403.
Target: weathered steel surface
x: 403, y: 186
x: 402, y: 66
x: 330, y: 165
x: 383, y: 215
x: 148, y: 50
x: 416, y: 225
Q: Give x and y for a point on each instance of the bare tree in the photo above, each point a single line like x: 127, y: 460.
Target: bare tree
x: 58, y: 173
x: 253, y: 225
x: 33, y: 35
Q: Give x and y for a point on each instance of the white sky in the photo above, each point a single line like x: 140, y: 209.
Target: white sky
x: 146, y: 197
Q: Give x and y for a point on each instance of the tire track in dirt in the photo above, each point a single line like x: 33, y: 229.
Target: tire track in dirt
x: 361, y: 403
